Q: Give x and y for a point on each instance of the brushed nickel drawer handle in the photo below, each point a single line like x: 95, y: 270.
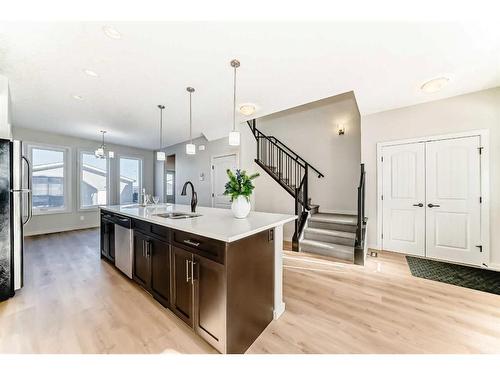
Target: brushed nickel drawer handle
x: 192, y: 271
x: 192, y: 243
x: 187, y: 271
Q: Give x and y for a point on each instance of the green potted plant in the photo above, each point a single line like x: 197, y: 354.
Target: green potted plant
x: 240, y: 188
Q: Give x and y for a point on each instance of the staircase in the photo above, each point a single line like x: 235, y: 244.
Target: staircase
x: 335, y: 235
x: 331, y: 235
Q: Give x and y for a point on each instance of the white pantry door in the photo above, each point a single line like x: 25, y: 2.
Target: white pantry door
x: 453, y: 207
x: 220, y: 164
x: 403, y: 201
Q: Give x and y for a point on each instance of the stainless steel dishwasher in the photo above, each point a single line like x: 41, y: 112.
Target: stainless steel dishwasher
x: 124, y: 244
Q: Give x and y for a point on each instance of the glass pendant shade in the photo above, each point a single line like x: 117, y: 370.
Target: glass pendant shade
x: 99, y: 153
x: 160, y: 156
x: 190, y: 149
x: 234, y: 138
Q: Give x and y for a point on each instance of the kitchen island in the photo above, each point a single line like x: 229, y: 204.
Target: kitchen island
x: 221, y: 275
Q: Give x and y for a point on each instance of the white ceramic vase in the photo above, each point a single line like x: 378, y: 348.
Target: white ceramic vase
x: 240, y: 207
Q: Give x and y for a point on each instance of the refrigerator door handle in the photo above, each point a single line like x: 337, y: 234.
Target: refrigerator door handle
x: 30, y: 193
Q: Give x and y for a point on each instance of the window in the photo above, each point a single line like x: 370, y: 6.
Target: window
x: 50, y: 178
x: 93, y: 180
x: 130, y: 183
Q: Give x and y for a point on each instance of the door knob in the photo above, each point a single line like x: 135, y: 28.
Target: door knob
x: 419, y: 205
x: 430, y: 205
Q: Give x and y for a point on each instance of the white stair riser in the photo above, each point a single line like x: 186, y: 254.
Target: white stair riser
x: 328, y: 238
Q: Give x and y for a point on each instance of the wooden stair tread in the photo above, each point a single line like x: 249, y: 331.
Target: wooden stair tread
x: 335, y: 218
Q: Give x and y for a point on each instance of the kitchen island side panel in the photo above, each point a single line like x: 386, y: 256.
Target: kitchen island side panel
x: 250, y: 289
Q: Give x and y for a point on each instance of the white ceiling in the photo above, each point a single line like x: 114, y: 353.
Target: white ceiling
x: 282, y: 65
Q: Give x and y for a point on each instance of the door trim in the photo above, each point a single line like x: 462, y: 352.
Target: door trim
x: 484, y: 141
x: 235, y: 153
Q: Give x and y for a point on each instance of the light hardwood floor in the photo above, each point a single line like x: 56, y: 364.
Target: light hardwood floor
x: 73, y: 302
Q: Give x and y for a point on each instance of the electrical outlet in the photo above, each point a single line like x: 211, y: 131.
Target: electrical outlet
x: 82, y: 217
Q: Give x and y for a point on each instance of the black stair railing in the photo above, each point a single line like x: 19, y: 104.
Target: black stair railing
x: 361, y: 220
x: 288, y: 169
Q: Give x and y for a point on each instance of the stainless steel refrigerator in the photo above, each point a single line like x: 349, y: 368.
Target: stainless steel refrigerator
x: 15, y: 212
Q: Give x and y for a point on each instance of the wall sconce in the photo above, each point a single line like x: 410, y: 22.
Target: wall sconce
x: 341, y: 129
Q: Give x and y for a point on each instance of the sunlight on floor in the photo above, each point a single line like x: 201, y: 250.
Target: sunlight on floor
x: 170, y: 351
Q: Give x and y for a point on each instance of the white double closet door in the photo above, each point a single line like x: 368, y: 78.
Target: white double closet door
x: 431, y: 199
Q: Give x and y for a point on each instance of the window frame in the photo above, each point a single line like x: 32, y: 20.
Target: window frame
x: 66, y: 179
x: 141, y: 174
x: 82, y: 151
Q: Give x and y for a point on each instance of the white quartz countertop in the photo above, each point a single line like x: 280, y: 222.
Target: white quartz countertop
x: 216, y: 223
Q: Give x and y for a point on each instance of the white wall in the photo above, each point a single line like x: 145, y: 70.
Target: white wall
x: 479, y: 110
x: 5, y: 129
x: 190, y: 167
x: 311, y: 130
x: 48, y: 223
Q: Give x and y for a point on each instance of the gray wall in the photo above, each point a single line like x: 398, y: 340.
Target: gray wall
x: 479, y: 110
x: 190, y: 167
x: 78, y: 219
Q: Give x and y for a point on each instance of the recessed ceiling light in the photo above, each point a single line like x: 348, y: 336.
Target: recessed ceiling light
x: 90, y: 73
x: 247, y: 109
x: 435, y: 84
x: 78, y: 97
x: 111, y: 32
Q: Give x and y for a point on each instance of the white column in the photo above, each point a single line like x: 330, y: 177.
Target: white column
x: 279, y: 305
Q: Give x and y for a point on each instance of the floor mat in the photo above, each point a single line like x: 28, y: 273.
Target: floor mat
x: 467, y: 277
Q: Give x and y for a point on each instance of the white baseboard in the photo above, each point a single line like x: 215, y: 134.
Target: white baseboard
x: 40, y: 232
x: 494, y: 266
x: 373, y: 246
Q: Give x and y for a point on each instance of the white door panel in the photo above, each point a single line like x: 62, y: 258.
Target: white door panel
x: 219, y: 178
x: 453, y: 189
x: 403, y: 190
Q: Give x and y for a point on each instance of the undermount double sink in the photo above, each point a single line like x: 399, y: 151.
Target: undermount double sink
x: 167, y: 215
x: 177, y: 215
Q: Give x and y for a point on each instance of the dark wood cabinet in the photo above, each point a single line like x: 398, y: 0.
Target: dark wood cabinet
x: 107, y: 239
x: 159, y: 253
x: 210, y: 301
x: 224, y: 291
x: 141, y: 266
x: 199, y: 295
x: 151, y: 266
x: 182, y: 284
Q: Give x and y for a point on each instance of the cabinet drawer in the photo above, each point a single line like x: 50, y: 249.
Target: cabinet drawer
x: 143, y: 226
x: 158, y: 231
x: 106, y: 215
x: 162, y: 232
x: 207, y: 247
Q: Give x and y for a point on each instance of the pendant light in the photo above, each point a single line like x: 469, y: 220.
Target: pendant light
x: 160, y: 155
x: 190, y: 147
x: 234, y: 136
x: 100, y: 152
